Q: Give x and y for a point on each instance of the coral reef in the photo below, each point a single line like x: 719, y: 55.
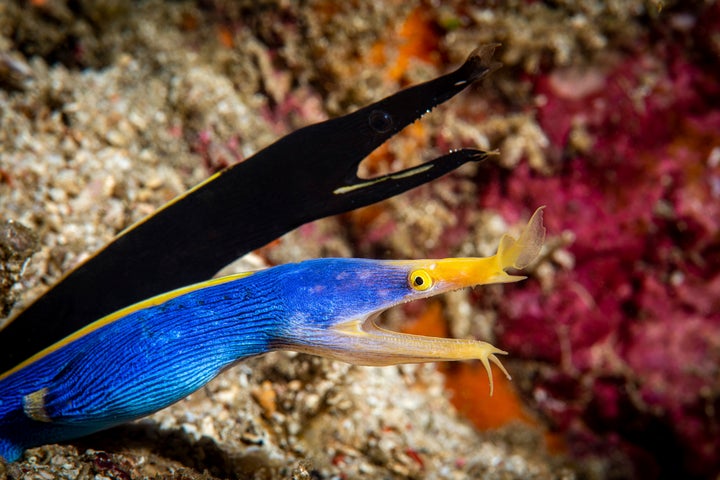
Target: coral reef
x: 606, y: 112
x: 628, y: 339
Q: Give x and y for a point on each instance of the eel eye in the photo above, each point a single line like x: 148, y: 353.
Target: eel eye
x: 380, y: 121
x: 420, y: 280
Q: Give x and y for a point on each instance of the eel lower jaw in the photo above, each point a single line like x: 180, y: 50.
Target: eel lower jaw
x: 402, y: 180
x: 361, y: 341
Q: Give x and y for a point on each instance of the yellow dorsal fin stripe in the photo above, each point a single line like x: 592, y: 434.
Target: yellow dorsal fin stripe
x: 150, y: 302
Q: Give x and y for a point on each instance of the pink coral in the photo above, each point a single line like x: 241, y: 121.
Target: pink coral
x: 631, y: 335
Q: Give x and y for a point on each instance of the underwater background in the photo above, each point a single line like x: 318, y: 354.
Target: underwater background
x: 608, y: 113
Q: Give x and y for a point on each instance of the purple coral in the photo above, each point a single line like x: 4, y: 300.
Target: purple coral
x: 630, y: 337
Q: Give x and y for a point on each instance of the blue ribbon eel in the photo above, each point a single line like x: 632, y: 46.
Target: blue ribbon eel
x: 145, y: 357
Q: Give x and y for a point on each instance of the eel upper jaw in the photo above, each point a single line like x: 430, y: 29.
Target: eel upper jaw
x: 339, y: 145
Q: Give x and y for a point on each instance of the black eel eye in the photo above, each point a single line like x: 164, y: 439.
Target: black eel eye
x: 380, y: 121
x: 420, y: 280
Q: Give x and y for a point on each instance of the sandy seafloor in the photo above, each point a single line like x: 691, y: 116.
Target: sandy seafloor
x: 108, y: 109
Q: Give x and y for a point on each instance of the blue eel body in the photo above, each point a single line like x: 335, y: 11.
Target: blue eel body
x: 152, y: 354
